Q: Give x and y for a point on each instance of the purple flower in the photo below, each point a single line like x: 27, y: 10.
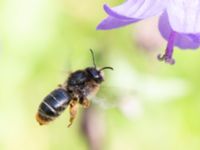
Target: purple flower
x: 179, y: 21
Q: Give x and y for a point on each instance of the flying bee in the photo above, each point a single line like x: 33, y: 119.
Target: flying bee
x: 79, y: 86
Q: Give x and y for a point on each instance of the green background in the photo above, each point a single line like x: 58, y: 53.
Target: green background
x: 146, y: 104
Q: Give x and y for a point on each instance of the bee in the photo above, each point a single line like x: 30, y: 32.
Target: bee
x: 79, y: 86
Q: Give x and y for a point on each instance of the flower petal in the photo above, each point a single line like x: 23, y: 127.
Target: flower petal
x: 137, y: 9
x: 112, y: 22
x: 184, y: 15
x: 182, y: 40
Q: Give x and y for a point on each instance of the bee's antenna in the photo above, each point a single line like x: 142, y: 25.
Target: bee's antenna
x: 93, y: 58
x: 106, y: 68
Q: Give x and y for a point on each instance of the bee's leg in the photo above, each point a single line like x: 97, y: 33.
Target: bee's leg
x: 73, y: 107
x: 85, y: 103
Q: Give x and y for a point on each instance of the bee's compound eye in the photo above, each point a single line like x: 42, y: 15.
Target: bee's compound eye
x: 95, y: 74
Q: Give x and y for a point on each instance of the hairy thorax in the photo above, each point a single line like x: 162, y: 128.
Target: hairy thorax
x: 86, y: 90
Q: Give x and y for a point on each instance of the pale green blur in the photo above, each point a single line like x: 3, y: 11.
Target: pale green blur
x: 157, y: 106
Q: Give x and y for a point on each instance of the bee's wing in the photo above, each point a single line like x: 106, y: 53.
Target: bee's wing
x: 108, y: 97
x: 111, y: 96
x: 103, y: 103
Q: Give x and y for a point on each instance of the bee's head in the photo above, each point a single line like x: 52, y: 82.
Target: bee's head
x: 94, y: 73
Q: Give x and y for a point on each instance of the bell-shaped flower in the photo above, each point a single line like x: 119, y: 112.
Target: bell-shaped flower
x: 179, y: 21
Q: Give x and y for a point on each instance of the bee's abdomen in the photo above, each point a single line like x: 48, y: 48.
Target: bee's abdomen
x: 52, y: 106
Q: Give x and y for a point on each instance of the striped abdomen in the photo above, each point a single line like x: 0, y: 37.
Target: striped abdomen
x: 52, y: 106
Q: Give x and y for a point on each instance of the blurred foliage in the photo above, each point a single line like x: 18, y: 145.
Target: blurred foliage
x: 42, y: 41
